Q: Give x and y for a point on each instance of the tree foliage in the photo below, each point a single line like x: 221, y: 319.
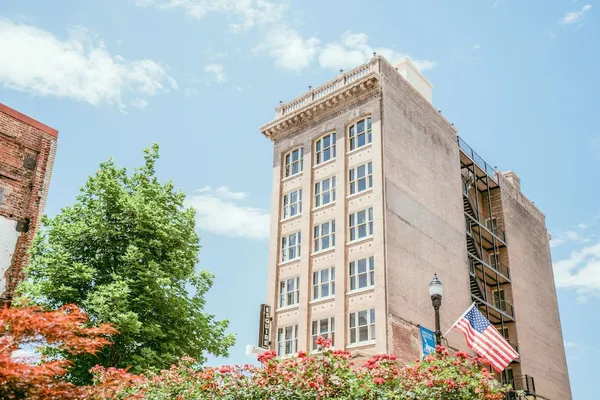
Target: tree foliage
x: 330, y: 375
x: 126, y: 253
x: 64, y: 330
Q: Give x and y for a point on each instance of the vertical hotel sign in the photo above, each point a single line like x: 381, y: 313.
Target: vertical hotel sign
x: 264, y: 330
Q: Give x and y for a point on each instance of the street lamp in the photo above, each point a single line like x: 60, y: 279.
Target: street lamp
x: 436, y: 290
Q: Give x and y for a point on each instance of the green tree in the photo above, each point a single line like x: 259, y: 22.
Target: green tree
x: 126, y: 252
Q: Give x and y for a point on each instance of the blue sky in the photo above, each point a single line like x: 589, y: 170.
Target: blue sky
x: 517, y: 78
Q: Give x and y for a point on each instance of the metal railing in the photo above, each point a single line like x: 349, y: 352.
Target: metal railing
x: 526, y: 383
x: 500, y: 268
x: 496, y: 266
x: 488, y: 225
x: 491, y: 172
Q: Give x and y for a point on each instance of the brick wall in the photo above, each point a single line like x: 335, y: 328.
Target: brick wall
x: 27, y: 152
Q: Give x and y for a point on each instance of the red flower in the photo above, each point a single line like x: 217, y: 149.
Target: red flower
x: 266, y: 356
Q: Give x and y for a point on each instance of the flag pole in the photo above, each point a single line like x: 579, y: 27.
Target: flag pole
x: 459, y: 318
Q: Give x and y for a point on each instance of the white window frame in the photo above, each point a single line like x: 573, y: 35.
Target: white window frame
x: 356, y: 329
x: 320, y: 151
x: 316, y: 331
x: 319, y: 285
x: 289, y: 292
x: 288, y: 207
x: 354, y: 181
x: 320, y: 239
x: 499, y: 300
x: 283, y: 340
x: 321, y: 195
x: 289, y: 163
x: 368, y: 274
x: 355, y: 224
x: 354, y: 135
x: 286, y: 248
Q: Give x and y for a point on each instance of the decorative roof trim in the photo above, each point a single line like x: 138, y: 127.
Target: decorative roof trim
x: 343, y: 96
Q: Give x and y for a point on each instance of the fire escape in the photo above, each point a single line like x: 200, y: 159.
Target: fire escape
x: 489, y: 272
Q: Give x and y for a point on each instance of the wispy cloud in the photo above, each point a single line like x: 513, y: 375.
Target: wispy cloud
x: 217, y: 71
x: 580, y: 271
x: 576, y: 16
x: 353, y: 49
x: 288, y: 48
x: 77, y: 67
x: 221, y: 211
x: 251, y: 13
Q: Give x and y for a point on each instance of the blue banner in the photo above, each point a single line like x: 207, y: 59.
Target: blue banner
x: 427, y: 341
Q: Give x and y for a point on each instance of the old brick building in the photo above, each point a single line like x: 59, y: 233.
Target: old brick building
x: 373, y: 193
x: 27, y: 150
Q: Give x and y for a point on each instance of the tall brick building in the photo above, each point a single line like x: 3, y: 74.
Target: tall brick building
x: 27, y: 150
x: 373, y: 193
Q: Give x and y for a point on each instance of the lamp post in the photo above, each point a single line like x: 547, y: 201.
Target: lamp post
x: 436, y: 290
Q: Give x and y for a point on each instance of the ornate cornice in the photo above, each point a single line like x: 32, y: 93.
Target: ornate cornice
x: 348, y: 95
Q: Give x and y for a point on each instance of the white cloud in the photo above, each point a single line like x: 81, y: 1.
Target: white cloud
x: 576, y: 16
x: 353, y: 50
x: 76, y: 68
x: 219, y: 211
x: 139, y: 103
x: 225, y: 192
x: 580, y: 271
x: 250, y: 12
x: 217, y: 72
x: 289, y: 49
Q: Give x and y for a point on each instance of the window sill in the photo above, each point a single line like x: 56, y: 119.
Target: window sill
x: 289, y: 178
x: 360, y: 344
x: 322, y: 206
x: 357, y: 194
x: 366, y: 146
x: 288, y: 219
x: 359, y: 291
x: 289, y: 262
x: 322, y: 299
x: 359, y: 240
x: 288, y: 308
x: 327, y: 250
x: 331, y: 160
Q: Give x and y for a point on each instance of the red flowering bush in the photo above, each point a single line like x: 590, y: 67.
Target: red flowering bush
x: 329, y: 375
x: 62, y: 331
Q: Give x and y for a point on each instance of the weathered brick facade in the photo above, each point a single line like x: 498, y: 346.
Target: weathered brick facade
x: 27, y: 151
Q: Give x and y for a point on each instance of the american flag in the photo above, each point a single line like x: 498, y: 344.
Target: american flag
x: 485, y: 339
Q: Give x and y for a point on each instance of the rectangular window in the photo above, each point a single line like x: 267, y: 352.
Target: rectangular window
x: 362, y: 326
x: 508, y: 377
x: 362, y: 273
x: 292, y: 203
x: 494, y: 259
x: 325, y: 328
x: 325, y: 148
x: 293, y: 162
x: 290, y: 247
x: 287, y: 340
x: 324, y: 236
x: 361, y: 224
x: 499, y: 300
x: 289, y: 292
x: 325, y: 191
x: 361, y: 178
x: 359, y: 134
x: 324, y: 283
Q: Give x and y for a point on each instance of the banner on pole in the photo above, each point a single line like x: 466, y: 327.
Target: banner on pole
x: 427, y: 341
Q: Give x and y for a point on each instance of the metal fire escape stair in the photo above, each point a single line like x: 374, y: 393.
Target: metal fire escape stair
x: 476, y: 289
